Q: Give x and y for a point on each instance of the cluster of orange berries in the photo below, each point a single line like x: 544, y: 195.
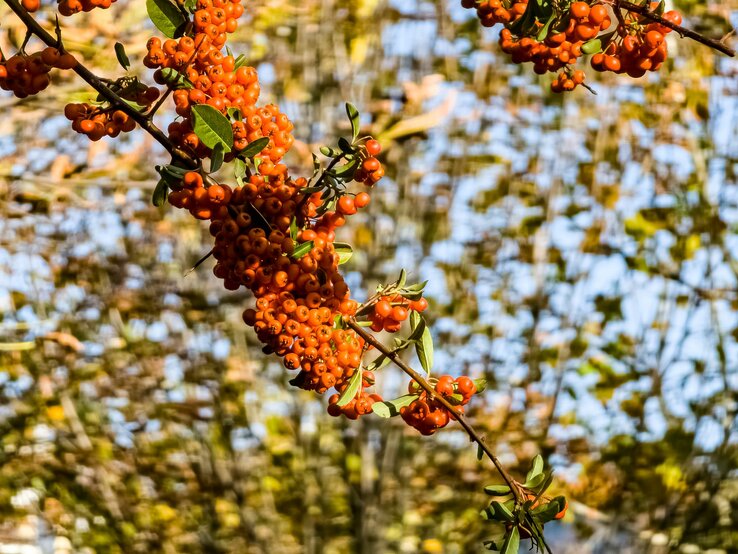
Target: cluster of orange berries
x: 637, y: 48
x: 390, y: 311
x: 638, y: 51
x: 371, y: 169
x: 427, y: 414
x: 71, y: 7
x: 218, y: 82
x: 28, y: 74
x: 97, y: 122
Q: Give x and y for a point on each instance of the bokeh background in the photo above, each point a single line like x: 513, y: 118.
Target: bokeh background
x: 582, y: 257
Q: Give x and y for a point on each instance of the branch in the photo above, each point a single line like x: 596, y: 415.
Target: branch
x: 425, y: 385
x: 683, y: 31
x: 96, y: 83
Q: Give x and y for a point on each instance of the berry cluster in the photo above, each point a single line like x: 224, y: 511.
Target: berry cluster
x: 28, y: 74
x: 426, y: 413
x: 371, y: 169
x: 71, y: 7
x: 390, y: 311
x: 98, y: 121
x: 217, y: 80
x: 638, y: 48
x: 273, y: 234
x: 556, y: 41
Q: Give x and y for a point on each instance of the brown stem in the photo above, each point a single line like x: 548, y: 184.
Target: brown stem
x: 96, y: 83
x: 425, y: 385
x: 683, y: 31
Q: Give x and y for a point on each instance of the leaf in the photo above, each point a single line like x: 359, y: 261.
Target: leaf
x: 497, y: 490
x: 216, y: 158
x: 120, y: 53
x: 329, y: 152
x: 502, y: 512
x: 345, y: 145
x: 346, y: 168
x: 160, y: 193
x: 353, y: 387
x: 417, y: 326
x: 212, y: 127
x: 536, y: 467
x: 165, y: 16
x: 255, y: 147
x: 592, y: 46
x: 512, y: 542
x: 235, y: 114
x: 424, y: 350
x: 378, y: 363
x: 344, y: 251
x: 353, y: 115
x: 535, y: 481
x: 391, y: 408
x: 302, y: 249
x: 402, y: 279
x: 175, y: 78
x: 480, y: 452
x: 548, y: 511
x: 239, y: 170
x: 240, y: 61
x: 294, y: 229
x: 338, y: 322
x: 481, y: 385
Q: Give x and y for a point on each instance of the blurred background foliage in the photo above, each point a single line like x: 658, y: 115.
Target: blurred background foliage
x: 582, y: 256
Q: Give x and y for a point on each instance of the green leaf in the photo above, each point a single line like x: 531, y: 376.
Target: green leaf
x: 240, y: 61
x: 338, y: 322
x: 255, y: 147
x: 391, y: 408
x: 160, y: 193
x: 212, y: 127
x: 235, y: 114
x: 592, y: 46
x: 165, y: 16
x: 480, y: 452
x: 329, y: 152
x: 502, y: 512
x: 294, y: 230
x: 353, y: 115
x: 120, y: 53
x: 547, y: 512
x: 424, y: 350
x: 535, y: 481
x: 512, y: 542
x: 175, y: 78
x: 402, y: 279
x: 378, y: 363
x: 239, y: 170
x: 481, y: 385
x: 497, y: 490
x: 346, y: 169
x: 302, y: 249
x: 353, y: 387
x: 417, y: 326
x: 345, y: 145
x: 190, y: 5
x: 536, y: 467
x: 344, y: 251
x: 216, y: 158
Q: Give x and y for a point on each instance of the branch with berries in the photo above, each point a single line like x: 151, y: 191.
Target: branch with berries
x: 273, y: 234
x: 620, y: 36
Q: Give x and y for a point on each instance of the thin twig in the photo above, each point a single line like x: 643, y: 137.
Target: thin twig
x: 425, y: 385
